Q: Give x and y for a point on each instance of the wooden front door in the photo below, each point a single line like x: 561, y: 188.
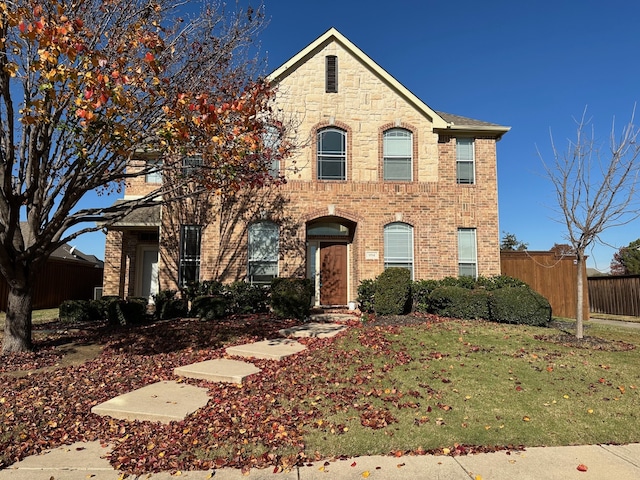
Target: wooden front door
x: 333, y: 273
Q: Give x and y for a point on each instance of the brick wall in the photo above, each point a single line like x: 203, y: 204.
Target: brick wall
x: 364, y: 106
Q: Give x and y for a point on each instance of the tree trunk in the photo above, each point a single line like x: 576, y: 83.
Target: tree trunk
x: 579, y: 296
x: 17, y: 328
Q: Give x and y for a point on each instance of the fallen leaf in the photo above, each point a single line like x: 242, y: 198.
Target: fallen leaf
x: 400, y: 465
x: 353, y: 464
x: 582, y: 468
x: 526, y: 419
x: 365, y: 474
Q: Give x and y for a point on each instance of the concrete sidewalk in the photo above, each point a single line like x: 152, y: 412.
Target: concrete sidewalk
x: 83, y: 461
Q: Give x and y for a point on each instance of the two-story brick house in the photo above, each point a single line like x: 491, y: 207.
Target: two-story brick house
x: 383, y: 180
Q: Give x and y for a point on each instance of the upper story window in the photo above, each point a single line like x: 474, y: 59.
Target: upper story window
x: 465, y: 161
x: 191, y: 165
x: 190, y: 240
x: 332, y: 154
x: 397, y: 145
x: 398, y: 246
x: 154, y: 171
x: 263, y: 252
x: 331, y: 84
x: 271, y: 141
x: 467, y: 252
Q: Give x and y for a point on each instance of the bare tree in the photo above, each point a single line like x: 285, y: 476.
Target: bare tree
x: 595, y: 188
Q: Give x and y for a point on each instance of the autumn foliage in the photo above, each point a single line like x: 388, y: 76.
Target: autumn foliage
x: 86, y: 86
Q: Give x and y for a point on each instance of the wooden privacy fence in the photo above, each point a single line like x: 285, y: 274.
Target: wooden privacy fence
x: 549, y: 274
x: 618, y: 295
x: 60, y: 280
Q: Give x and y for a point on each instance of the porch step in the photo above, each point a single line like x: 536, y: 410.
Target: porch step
x: 275, y: 349
x: 218, y: 370
x: 317, y: 330
x: 159, y: 402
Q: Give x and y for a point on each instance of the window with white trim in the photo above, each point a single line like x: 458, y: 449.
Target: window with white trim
x: 271, y: 142
x: 263, y: 252
x: 465, y: 160
x: 154, y: 174
x: 190, y: 242
x: 398, y: 246
x: 332, y: 154
x: 467, y: 253
x: 397, y: 146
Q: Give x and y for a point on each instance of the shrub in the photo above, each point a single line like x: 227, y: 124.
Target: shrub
x: 520, y: 305
x: 97, y: 310
x: 459, y: 302
x: 74, y: 311
x: 366, y: 292
x: 168, y: 306
x: 393, y: 292
x: 291, y: 297
x: 209, y: 307
x: 500, y: 281
x: 134, y: 310
x: 246, y: 298
x: 200, y: 289
x: 420, y: 291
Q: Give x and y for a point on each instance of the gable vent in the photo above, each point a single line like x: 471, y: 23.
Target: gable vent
x: 332, y: 74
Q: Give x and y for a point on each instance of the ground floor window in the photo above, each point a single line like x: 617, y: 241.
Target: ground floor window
x: 190, y: 240
x: 398, y: 246
x: 467, y: 253
x: 263, y: 252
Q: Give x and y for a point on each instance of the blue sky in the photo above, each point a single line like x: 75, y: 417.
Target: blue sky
x: 534, y: 66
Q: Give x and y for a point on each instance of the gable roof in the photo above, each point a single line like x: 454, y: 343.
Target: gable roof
x: 441, y: 121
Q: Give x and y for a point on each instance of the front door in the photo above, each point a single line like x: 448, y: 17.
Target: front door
x: 333, y: 273
x: 149, y: 273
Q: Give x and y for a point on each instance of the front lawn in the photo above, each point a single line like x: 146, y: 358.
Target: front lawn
x: 438, y: 386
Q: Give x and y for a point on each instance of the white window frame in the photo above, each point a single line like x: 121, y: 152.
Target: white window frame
x: 263, y: 256
x: 463, y: 160
x: 332, y: 156
x: 467, y: 252
x: 390, y: 158
x: 392, y: 232
x: 155, y: 175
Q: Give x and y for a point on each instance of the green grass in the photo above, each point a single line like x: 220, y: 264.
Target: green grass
x: 478, y: 384
x: 38, y: 316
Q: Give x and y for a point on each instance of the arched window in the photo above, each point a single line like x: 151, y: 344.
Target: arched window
x: 397, y: 146
x: 263, y: 252
x: 398, y: 246
x: 332, y: 154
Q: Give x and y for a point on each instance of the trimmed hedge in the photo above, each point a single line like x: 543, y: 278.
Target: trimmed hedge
x: 499, y: 298
x: 209, y: 307
x: 168, y: 306
x: 291, y: 297
x: 74, y: 311
x: 366, y: 294
x: 246, y: 298
x: 459, y: 302
x: 519, y: 305
x: 393, y: 292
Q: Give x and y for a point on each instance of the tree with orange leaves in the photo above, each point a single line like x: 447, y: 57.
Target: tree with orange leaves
x: 88, y: 84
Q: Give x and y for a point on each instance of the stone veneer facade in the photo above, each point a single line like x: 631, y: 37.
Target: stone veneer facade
x: 365, y: 105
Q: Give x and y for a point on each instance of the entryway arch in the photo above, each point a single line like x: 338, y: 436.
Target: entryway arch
x: 329, y: 244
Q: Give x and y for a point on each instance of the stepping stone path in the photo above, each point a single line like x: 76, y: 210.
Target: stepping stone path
x: 218, y: 370
x: 168, y: 401
x: 275, y: 349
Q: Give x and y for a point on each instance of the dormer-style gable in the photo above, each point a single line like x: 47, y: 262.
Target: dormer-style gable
x: 442, y: 122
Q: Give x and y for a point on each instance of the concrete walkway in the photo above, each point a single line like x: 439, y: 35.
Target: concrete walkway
x: 83, y: 461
